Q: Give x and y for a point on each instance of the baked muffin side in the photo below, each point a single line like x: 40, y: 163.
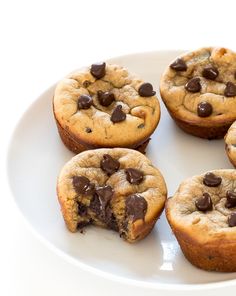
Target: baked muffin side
x: 230, y: 144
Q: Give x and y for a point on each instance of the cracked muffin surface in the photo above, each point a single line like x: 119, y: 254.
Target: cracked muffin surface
x: 199, y: 91
x: 202, y: 215
x: 230, y: 143
x: 105, y: 106
x: 114, y: 188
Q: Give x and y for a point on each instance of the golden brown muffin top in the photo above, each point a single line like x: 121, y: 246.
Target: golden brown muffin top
x: 122, y: 109
x: 200, y: 86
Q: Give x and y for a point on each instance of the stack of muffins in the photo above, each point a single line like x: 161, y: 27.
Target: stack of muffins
x: 106, y: 115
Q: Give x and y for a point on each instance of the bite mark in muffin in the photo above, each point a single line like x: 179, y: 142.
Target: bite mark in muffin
x: 114, y: 188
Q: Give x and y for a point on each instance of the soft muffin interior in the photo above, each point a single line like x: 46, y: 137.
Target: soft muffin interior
x: 114, y: 217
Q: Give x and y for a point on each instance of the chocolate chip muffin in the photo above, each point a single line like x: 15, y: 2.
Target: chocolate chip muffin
x: 230, y: 143
x: 199, y: 91
x: 105, y: 106
x: 202, y: 215
x: 114, y: 188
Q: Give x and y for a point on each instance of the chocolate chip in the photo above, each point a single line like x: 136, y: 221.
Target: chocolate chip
x: 101, y: 200
x: 232, y: 220
x: 204, y: 203
x: 85, y: 102
x: 146, y: 90
x: 90, y: 189
x: 86, y: 83
x: 193, y: 85
x: 82, y: 185
x: 179, y: 65
x: 230, y: 89
x: 141, y: 125
x: 95, y: 205
x: 105, y: 194
x: 118, y: 115
x: 82, y: 209
x: 134, y: 176
x: 204, y: 109
x: 109, y: 164
x: 110, y: 219
x: 211, y: 180
x: 231, y: 199
x: 98, y: 70
x: 136, y: 207
x: 82, y: 224
x: 210, y: 72
x: 103, y: 211
x: 105, y: 98
x: 88, y: 130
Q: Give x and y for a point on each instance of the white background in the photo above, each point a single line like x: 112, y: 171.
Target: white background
x: 41, y: 41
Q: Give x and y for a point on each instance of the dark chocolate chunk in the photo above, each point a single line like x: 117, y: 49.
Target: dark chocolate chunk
x: 95, y: 205
x: 179, y: 65
x: 109, y: 164
x: 110, y: 219
x: 230, y: 89
x: 85, y: 102
x: 105, y: 194
x: 86, y: 83
x: 231, y: 199
x: 88, y: 130
x: 82, y: 209
x: 193, y: 85
x: 134, y: 176
x: 204, y: 203
x: 82, y: 224
x: 136, y: 207
x: 232, y: 220
x: 118, y: 115
x: 210, y: 72
x: 141, y: 125
x: 146, y: 90
x: 204, y: 109
x: 82, y: 185
x: 105, y: 98
x: 211, y: 180
x: 100, y: 205
x: 101, y: 200
x: 98, y: 70
x: 90, y: 189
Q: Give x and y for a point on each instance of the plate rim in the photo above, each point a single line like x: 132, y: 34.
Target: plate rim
x: 70, y: 259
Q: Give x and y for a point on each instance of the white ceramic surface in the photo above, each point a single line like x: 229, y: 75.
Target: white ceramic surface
x: 36, y: 155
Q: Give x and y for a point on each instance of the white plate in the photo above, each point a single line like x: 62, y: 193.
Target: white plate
x: 36, y: 156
